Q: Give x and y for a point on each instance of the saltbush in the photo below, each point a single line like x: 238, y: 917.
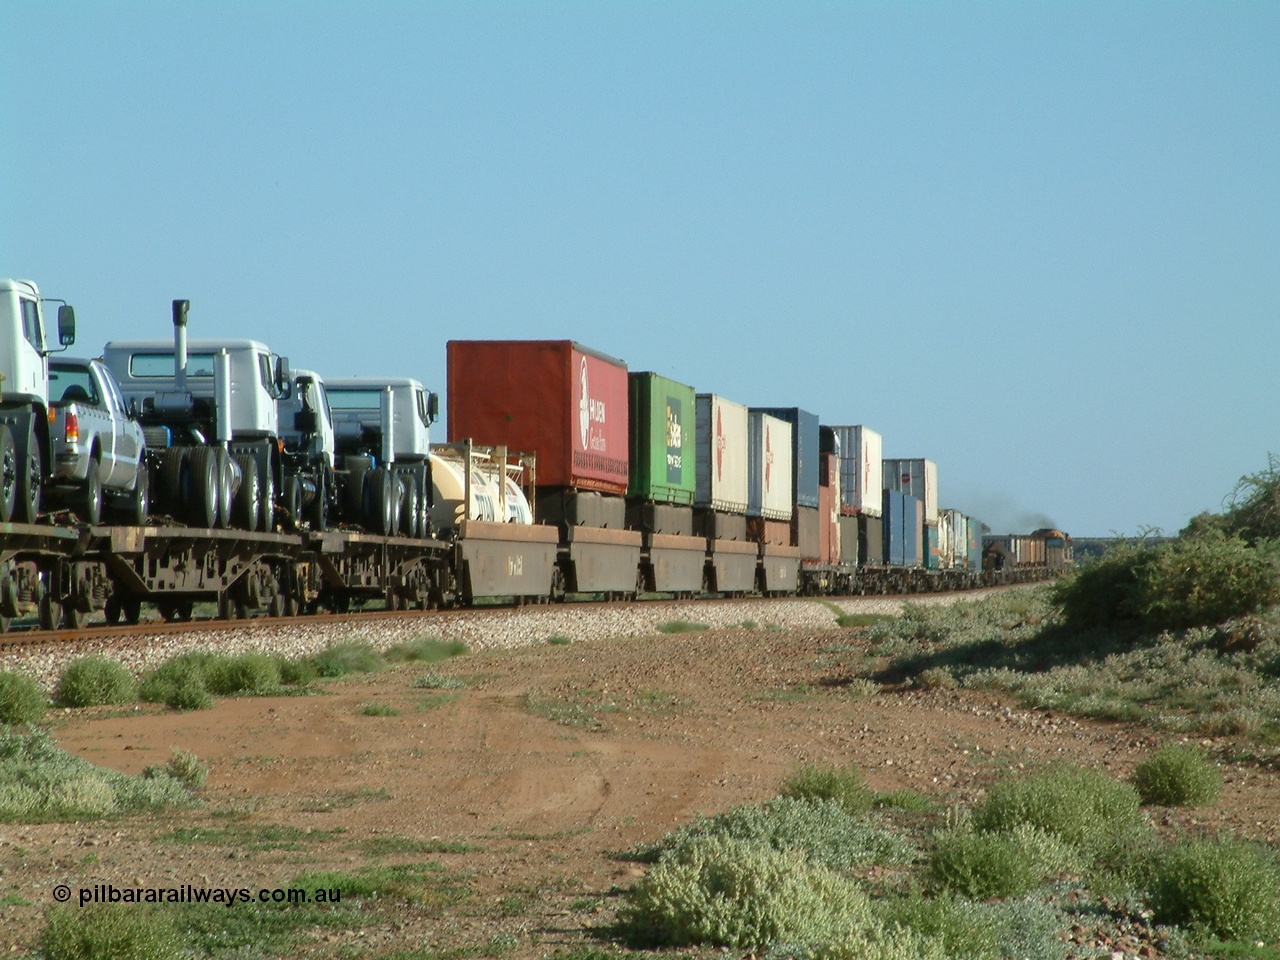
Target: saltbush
x: 1177, y: 776
x: 842, y: 785
x: 1097, y: 815
x: 22, y: 700
x: 425, y: 650
x: 343, y: 658
x: 735, y: 893
x: 247, y: 673
x: 40, y: 782
x: 819, y: 829
x: 998, y: 864
x: 91, y: 681
x: 1228, y: 889
x: 965, y: 930
x: 183, y: 766
x: 118, y: 932
x: 178, y: 683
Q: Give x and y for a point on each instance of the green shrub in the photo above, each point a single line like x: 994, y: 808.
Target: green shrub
x: 378, y: 710
x: 843, y: 785
x: 820, y: 829
x: 1206, y: 580
x: 117, y: 932
x: 178, y: 683
x: 965, y: 930
x: 425, y: 650
x: 438, y: 681
x: 1004, y: 864
x: 682, y: 626
x: 183, y: 766
x: 343, y: 658
x: 39, y: 782
x: 1177, y: 776
x: 246, y: 673
x: 735, y: 893
x: 1092, y: 812
x: 1190, y: 582
x: 1230, y: 890
x: 296, y: 672
x: 22, y: 700
x: 90, y: 681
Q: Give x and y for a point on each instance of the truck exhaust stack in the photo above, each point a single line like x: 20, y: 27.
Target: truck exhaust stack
x: 180, y: 308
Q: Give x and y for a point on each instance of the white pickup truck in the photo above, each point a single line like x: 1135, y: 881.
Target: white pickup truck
x: 99, y: 450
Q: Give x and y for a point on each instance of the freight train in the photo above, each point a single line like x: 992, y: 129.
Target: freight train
x: 565, y: 476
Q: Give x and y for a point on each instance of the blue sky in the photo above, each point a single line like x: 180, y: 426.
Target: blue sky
x: 1038, y: 243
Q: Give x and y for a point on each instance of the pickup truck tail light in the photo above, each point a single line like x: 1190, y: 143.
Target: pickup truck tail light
x: 73, y: 428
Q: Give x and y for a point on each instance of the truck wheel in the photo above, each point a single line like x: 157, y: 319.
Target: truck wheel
x: 409, y: 514
x: 380, y: 518
x: 245, y: 508
x: 318, y: 514
x: 27, y: 507
x: 175, y: 481
x: 140, y: 499
x: 8, y: 474
x: 90, y: 509
x: 293, y: 500
x: 267, y: 501
x: 353, y: 499
x: 226, y: 485
x: 203, y: 506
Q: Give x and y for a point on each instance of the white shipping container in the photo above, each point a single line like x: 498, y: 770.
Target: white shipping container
x: 946, y: 539
x: 917, y: 478
x: 769, y: 468
x: 861, y: 469
x: 723, y: 449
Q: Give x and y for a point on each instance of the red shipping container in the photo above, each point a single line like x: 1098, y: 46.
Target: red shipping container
x: 556, y: 398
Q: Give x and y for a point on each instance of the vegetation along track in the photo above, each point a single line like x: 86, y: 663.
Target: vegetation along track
x: 145, y: 644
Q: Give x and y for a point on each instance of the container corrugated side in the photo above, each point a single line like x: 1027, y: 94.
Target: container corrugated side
x: 861, y: 469
x: 974, y: 557
x: 557, y: 398
x: 663, y: 439
x: 929, y: 550
x: 893, y: 532
x: 912, y: 531
x: 723, y: 453
x: 804, y: 452
x: 769, y: 467
x: 917, y: 478
x: 946, y: 539
x: 829, y: 506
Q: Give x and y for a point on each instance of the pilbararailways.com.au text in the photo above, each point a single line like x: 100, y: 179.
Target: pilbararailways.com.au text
x: 189, y: 893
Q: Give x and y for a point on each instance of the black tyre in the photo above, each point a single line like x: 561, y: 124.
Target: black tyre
x: 175, y: 482
x: 90, y: 506
x: 318, y: 513
x: 111, y: 611
x: 27, y: 504
x: 203, y: 505
x: 353, y: 495
x: 140, y: 499
x: 266, y: 501
x: 226, y: 485
x: 132, y: 610
x: 8, y: 473
x: 293, y: 500
x: 380, y: 517
x: 245, y: 508
x: 409, y: 517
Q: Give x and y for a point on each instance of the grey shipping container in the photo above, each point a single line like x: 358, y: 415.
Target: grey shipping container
x: 861, y: 452
x: 916, y: 478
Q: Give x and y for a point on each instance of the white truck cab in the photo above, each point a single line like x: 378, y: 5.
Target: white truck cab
x: 26, y: 452
x: 210, y: 410
x: 382, y: 441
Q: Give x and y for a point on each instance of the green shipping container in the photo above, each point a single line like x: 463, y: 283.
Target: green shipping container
x: 663, y: 439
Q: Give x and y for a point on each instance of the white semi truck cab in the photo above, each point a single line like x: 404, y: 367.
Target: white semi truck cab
x: 210, y: 410
x: 26, y: 450
x: 382, y: 443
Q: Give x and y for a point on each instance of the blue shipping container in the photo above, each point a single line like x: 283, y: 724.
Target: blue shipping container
x: 894, y: 543
x: 804, y: 451
x: 932, y: 556
x: 912, y: 532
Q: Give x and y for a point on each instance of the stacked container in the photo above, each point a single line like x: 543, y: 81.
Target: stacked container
x: 861, y: 470
x: 663, y: 441
x: 804, y: 452
x: 723, y: 451
x: 769, y: 468
x: 894, y: 541
x: 916, y: 478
